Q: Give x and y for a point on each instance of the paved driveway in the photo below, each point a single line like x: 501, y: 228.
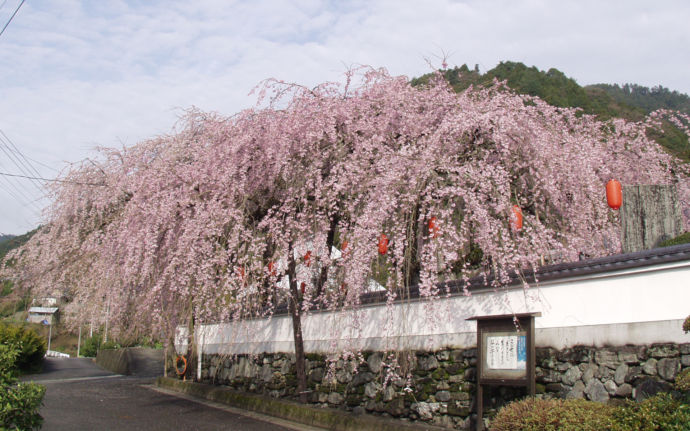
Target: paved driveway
x: 82, y: 396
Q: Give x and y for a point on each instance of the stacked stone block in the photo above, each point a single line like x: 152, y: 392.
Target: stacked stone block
x: 441, y: 386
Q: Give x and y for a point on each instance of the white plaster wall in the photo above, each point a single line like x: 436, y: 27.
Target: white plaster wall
x: 639, y: 306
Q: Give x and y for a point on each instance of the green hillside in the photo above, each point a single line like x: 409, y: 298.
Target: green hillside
x: 12, y: 302
x: 647, y: 99
x: 630, y: 101
x: 9, y: 242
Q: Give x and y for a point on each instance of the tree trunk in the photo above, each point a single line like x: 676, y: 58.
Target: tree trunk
x: 190, y: 372
x: 295, y: 309
x: 323, y: 277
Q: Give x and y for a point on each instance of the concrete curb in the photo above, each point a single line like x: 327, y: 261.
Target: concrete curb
x: 327, y: 418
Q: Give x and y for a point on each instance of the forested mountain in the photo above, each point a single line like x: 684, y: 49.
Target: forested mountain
x: 630, y: 101
x: 4, y: 238
x: 648, y: 99
x: 9, y: 242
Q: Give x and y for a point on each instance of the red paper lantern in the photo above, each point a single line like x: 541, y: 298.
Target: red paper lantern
x: 383, y: 244
x: 344, y: 248
x: 272, y: 269
x: 307, y: 258
x: 614, y: 194
x: 516, y: 218
x: 240, y: 274
x: 434, y: 229
x: 303, y: 287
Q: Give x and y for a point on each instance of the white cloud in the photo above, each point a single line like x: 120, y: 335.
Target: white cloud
x: 79, y: 74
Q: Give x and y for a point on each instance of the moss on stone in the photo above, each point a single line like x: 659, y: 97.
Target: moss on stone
x: 353, y: 400
x: 439, y: 374
x: 460, y: 411
x: 456, y: 387
x: 409, y: 397
x: 290, y: 380
x: 456, y: 369
x: 315, y: 357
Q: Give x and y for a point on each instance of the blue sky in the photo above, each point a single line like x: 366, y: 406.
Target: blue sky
x: 76, y: 75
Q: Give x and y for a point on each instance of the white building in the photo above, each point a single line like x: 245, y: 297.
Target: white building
x: 45, y: 315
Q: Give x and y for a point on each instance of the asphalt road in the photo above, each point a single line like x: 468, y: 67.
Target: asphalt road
x: 82, y: 396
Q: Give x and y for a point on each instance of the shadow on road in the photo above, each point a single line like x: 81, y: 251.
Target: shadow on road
x: 82, y: 396
x: 67, y: 368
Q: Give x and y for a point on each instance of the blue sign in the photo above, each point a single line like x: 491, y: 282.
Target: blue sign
x: 522, y: 352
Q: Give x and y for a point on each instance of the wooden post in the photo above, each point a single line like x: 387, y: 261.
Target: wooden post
x: 650, y: 214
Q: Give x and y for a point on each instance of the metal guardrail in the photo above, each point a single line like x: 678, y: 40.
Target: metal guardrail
x: 54, y: 354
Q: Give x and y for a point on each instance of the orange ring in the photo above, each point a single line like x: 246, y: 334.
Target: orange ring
x: 177, y: 368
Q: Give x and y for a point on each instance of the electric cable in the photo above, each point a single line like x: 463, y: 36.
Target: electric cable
x: 18, y: 163
x: 12, y: 17
x: 28, y: 163
x: 23, y: 190
x: 53, y: 180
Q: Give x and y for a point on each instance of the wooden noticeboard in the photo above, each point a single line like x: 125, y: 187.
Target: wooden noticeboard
x: 505, y: 354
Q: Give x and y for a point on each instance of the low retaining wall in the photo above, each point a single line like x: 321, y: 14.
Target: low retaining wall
x: 331, y: 419
x: 439, y: 387
x: 137, y: 361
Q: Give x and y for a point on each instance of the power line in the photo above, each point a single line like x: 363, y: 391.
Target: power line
x: 22, y: 185
x: 12, y: 17
x: 14, y: 160
x: 53, y: 180
x: 26, y: 202
x: 16, y: 157
x: 42, y: 164
x: 25, y: 157
x: 22, y: 189
x: 10, y: 192
x: 31, y: 167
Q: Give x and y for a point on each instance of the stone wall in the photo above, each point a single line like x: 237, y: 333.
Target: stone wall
x: 137, y: 361
x: 439, y: 387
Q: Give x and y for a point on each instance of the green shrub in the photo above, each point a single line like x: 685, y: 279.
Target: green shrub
x: 91, y: 346
x: 660, y: 412
x: 110, y: 345
x: 680, y: 239
x: 8, y: 308
x: 683, y: 380
x: 6, y: 289
x: 19, y: 402
x: 686, y: 325
x: 32, y: 347
x: 147, y: 342
x: 533, y: 414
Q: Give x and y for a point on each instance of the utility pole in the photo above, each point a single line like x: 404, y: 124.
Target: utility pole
x: 107, y: 316
x: 79, y: 342
x: 50, y: 332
